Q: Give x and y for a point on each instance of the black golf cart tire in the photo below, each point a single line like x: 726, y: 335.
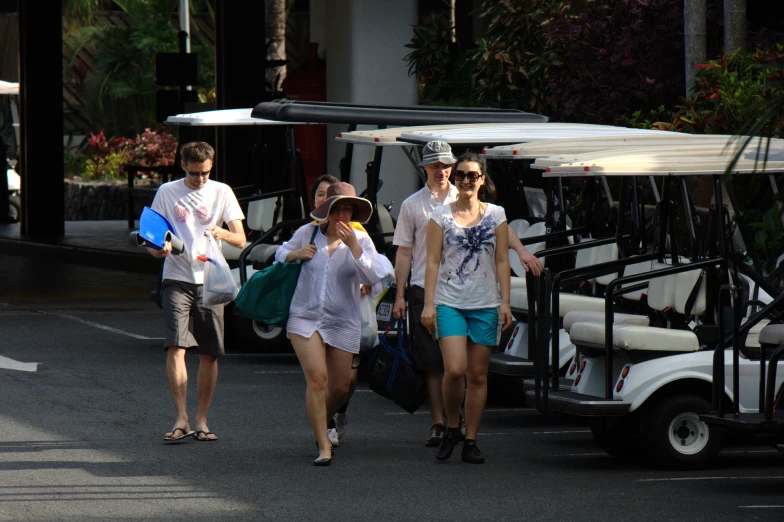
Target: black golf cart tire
x: 619, y: 437
x: 699, y: 442
x: 14, y: 209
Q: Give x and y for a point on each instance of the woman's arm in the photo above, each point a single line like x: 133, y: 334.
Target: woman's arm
x: 372, y: 267
x: 503, y: 272
x: 435, y: 244
x: 298, y: 247
x: 527, y: 259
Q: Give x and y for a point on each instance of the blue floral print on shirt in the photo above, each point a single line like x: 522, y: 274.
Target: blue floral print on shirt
x: 473, y: 241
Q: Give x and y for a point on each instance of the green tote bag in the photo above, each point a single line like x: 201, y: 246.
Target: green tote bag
x: 266, y: 296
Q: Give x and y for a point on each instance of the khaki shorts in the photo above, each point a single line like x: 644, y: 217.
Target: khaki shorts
x: 188, y: 324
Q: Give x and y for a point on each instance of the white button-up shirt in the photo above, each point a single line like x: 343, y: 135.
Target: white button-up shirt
x: 411, y: 228
x: 327, y: 295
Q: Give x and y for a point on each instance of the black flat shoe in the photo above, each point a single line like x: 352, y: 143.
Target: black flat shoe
x: 324, y: 461
x: 446, y: 447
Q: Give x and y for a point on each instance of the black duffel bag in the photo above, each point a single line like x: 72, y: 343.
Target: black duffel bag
x: 392, y: 372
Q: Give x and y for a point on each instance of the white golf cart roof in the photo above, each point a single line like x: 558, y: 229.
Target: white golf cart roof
x: 9, y: 88
x: 222, y: 118
x: 504, y: 134
x: 680, y: 160
x: 520, y: 151
x: 488, y: 133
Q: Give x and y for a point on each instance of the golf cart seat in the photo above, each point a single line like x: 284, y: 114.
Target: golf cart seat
x: 667, y: 292
x: 519, y: 226
x: 262, y: 215
x: 772, y: 334
x: 518, y: 298
x: 591, y: 316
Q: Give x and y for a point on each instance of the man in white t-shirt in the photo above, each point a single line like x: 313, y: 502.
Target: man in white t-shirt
x: 410, y: 234
x: 195, y: 206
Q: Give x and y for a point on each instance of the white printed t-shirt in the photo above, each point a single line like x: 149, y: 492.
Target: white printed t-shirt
x: 466, y: 275
x: 190, y: 212
x: 411, y: 228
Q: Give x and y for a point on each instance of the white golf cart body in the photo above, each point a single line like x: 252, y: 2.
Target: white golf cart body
x: 654, y: 365
x: 516, y: 357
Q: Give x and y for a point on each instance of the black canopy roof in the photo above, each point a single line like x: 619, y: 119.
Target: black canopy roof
x: 401, y: 115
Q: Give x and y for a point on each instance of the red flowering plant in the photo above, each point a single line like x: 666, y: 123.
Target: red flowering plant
x: 153, y: 148
x: 104, y: 157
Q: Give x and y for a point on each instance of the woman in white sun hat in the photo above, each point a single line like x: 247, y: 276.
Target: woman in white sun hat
x: 324, y: 319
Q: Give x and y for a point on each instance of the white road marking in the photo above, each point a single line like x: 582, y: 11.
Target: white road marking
x: 100, y: 326
x: 683, y: 479
x: 762, y: 507
x: 10, y: 364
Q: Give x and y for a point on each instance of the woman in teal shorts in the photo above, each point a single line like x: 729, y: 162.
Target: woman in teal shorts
x: 467, y: 280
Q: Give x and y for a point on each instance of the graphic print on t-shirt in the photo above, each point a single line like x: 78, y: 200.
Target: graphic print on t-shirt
x: 471, y: 242
x: 192, y: 205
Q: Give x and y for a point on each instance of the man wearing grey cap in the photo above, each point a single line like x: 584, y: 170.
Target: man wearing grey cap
x: 410, y: 232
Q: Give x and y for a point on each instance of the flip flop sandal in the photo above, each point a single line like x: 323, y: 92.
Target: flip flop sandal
x: 176, y: 437
x: 198, y: 433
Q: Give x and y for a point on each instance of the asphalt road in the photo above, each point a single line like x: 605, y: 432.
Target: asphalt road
x: 82, y: 440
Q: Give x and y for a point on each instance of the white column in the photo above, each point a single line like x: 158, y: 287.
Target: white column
x: 365, y: 45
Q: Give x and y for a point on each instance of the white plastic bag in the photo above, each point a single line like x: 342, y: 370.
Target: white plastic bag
x: 219, y: 286
x: 368, y: 337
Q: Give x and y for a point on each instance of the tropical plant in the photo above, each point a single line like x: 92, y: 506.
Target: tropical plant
x: 440, y: 64
x: 118, y: 86
x: 770, y: 231
x: 511, y: 61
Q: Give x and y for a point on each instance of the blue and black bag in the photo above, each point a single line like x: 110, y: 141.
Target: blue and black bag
x: 392, y: 372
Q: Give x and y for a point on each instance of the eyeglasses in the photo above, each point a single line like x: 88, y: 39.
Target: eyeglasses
x: 202, y: 174
x: 473, y: 176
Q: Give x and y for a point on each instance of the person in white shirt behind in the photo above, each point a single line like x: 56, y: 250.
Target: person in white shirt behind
x: 195, y: 206
x: 324, y: 322
x: 437, y: 162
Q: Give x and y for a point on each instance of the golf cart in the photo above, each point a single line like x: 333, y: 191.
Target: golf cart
x: 516, y: 359
x: 645, y: 386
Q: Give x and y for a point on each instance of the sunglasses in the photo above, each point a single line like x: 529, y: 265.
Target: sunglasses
x: 473, y: 176
x: 202, y: 174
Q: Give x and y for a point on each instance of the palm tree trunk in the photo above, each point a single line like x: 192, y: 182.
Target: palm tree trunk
x: 695, y: 42
x: 734, y: 25
x: 275, y: 39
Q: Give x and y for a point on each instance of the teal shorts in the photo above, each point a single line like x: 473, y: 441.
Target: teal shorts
x: 481, y: 326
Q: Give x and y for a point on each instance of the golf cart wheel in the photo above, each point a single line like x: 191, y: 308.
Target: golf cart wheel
x: 619, y: 436
x: 249, y: 335
x: 677, y: 438
x: 14, y: 209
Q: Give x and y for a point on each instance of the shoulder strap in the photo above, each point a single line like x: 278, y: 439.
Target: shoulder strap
x: 313, y: 237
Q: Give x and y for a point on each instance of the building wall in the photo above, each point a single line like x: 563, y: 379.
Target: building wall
x: 364, y: 45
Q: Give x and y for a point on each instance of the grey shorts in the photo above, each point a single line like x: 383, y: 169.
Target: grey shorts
x: 188, y: 324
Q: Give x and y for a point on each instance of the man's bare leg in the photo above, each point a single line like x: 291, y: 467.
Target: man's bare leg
x: 205, y: 386
x: 178, y: 383
x: 434, y: 394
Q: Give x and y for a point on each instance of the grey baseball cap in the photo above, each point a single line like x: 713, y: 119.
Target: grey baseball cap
x: 437, y: 151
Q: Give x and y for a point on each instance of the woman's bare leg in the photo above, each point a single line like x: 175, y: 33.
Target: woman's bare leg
x: 312, y: 357
x: 338, y: 378
x: 476, y: 396
x: 453, y: 351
